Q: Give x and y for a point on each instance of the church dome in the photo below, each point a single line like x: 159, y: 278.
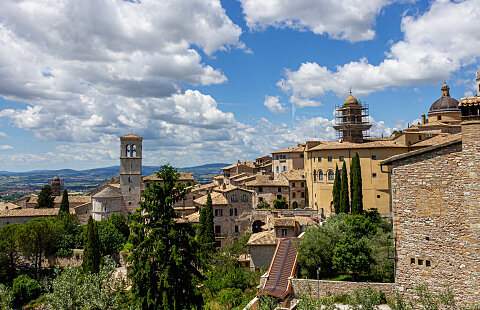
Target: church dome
x: 351, y: 100
x: 445, y: 103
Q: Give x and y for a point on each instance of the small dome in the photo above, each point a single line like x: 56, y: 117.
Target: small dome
x: 56, y: 178
x: 444, y: 104
x: 351, y: 100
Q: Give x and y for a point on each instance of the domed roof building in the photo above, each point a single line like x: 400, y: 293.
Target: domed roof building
x: 445, y: 109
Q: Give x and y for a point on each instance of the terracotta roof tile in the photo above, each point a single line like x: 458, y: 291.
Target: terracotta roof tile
x: 439, y: 139
x: 330, y: 145
x: 217, y: 199
x: 469, y: 101
x: 284, y: 221
x: 264, y: 180
x: 31, y: 212
x: 294, y: 175
x: 244, y: 163
x: 131, y: 136
x: 293, y: 149
x: 8, y: 206
x: 263, y: 238
x: 228, y: 188
x: 107, y: 192
x: 182, y: 176
x: 193, y: 218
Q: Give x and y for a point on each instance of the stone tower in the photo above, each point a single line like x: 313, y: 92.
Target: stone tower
x: 131, y: 170
x: 351, y: 120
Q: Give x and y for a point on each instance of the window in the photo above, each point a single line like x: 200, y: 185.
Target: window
x: 330, y: 159
x: 378, y: 196
x: 218, y: 212
x: 319, y: 159
x: 234, y: 198
x: 314, y: 159
x: 303, y: 194
x: 293, y: 195
x: 260, y: 189
x: 374, y: 175
x: 284, y: 232
x: 331, y: 175
x: 293, y: 184
x: 278, y: 168
x: 218, y: 229
x: 439, y: 117
x: 320, y: 175
x: 130, y: 179
x: 314, y: 175
x: 236, y: 229
x: 260, y: 199
x: 427, y: 263
x: 233, y: 212
x: 302, y: 184
x: 129, y: 203
x: 279, y: 196
x: 128, y: 150
x: 341, y: 158
x: 279, y: 189
x: 301, y: 155
x: 129, y: 189
x: 134, y: 150
x: 412, y: 260
x: 284, y: 168
x: 420, y: 262
x: 244, y: 197
x: 374, y: 157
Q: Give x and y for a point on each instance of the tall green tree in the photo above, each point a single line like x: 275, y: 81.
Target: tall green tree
x: 40, y: 237
x: 344, y: 200
x: 352, y: 256
x: 337, y: 187
x: 164, y: 265
x: 64, y: 205
x: 45, y: 198
x: 356, y: 185
x: 9, y: 251
x: 205, y: 231
x: 92, y: 248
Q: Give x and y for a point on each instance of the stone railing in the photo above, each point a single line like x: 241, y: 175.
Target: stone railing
x: 336, y: 288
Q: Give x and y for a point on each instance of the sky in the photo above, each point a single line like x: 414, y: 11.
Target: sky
x: 206, y: 81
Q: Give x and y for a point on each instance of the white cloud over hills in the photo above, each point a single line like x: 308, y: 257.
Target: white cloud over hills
x: 442, y: 40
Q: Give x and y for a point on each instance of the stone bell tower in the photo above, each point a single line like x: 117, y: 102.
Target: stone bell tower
x: 131, y: 170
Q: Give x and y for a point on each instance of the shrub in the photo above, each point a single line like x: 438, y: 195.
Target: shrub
x: 24, y: 290
x: 366, y: 299
x: 280, y: 204
x: 263, y: 205
x: 6, y: 297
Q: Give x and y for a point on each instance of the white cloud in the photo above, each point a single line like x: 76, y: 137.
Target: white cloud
x: 274, y: 105
x: 6, y: 147
x: 350, y: 20
x: 442, y: 40
x: 3, y: 134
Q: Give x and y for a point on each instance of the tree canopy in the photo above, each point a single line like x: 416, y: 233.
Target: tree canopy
x: 64, y: 205
x: 344, y: 200
x: 91, y: 249
x: 163, y: 263
x: 45, y: 198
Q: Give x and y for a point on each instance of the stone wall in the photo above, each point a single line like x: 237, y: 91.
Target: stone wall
x: 336, y: 288
x: 262, y: 255
x: 436, y: 219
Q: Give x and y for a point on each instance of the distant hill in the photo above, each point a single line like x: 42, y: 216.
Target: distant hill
x: 15, y: 184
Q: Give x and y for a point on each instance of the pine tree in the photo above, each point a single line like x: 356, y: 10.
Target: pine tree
x: 205, y: 233
x: 45, y: 198
x: 337, y: 185
x: 344, y: 200
x: 91, y: 248
x: 64, y: 205
x: 164, y: 263
x: 356, y: 185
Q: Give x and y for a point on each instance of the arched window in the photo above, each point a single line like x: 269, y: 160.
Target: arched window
x: 314, y: 175
x: 130, y: 180
x: 320, y: 175
x: 134, y: 150
x: 331, y: 175
x: 128, y: 150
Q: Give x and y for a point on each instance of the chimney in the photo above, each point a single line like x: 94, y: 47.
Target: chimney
x: 423, y: 119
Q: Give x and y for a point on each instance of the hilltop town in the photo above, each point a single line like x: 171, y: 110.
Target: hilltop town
x: 424, y: 178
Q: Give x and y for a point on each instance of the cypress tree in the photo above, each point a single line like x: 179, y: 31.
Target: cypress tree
x: 356, y: 185
x: 45, y: 198
x: 337, y: 184
x: 206, y: 234
x: 91, y: 248
x: 344, y: 200
x: 64, y: 205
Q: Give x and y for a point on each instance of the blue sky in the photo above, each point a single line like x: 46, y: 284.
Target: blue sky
x: 216, y: 81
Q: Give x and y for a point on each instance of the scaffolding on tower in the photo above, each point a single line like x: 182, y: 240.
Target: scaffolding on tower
x: 352, y: 122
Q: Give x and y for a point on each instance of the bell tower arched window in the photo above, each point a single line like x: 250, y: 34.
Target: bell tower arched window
x: 128, y: 150
x: 134, y: 150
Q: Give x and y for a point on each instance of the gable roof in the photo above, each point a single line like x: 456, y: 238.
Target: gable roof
x: 250, y: 164
x: 263, y: 238
x: 107, y: 192
x: 292, y: 149
x: 217, y: 199
x: 294, y: 175
x: 264, y: 180
x: 182, y: 176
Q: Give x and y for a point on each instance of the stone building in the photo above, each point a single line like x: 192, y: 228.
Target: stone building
x: 267, y: 190
x: 232, y: 209
x: 436, y: 199
x: 131, y: 170
x: 288, y: 159
x: 297, y: 194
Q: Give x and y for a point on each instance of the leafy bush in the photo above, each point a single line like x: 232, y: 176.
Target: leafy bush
x: 110, y: 238
x: 230, y: 297
x: 280, y: 204
x: 366, y: 299
x: 24, y: 290
x: 263, y: 205
x: 6, y: 298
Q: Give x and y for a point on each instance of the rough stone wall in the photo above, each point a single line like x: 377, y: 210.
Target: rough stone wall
x: 104, y: 207
x: 262, y: 255
x: 269, y: 194
x: 436, y: 229
x: 336, y: 288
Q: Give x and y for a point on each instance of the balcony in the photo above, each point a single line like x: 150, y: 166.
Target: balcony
x: 221, y: 235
